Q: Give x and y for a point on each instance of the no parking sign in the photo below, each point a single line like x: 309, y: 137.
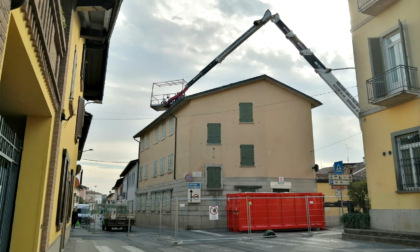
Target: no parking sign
x: 213, y: 212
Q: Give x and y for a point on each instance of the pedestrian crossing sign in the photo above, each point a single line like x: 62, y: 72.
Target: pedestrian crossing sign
x: 338, y: 167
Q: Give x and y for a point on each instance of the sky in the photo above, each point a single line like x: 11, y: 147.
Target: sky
x: 164, y: 40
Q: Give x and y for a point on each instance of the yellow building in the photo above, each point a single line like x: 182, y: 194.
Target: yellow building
x: 236, y: 138
x: 386, y: 38
x: 43, y: 87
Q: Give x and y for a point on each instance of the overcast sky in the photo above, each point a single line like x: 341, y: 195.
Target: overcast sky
x: 163, y: 40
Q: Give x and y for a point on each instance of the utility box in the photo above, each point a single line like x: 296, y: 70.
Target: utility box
x: 275, y: 211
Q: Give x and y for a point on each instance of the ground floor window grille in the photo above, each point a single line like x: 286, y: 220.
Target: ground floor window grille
x: 408, y: 167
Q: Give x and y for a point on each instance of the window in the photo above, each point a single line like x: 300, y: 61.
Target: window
x: 171, y: 125
x: 163, y: 130
x: 388, y: 55
x: 142, y: 145
x: 62, y: 190
x: 156, y: 135
x: 80, y: 119
x: 170, y: 163
x: 147, y: 144
x: 214, y: 177
x: 158, y: 200
x: 153, y: 202
x: 73, y: 77
x: 141, y: 173
x: 214, y: 133
x: 167, y: 198
x: 162, y: 166
x: 245, y: 112
x: 247, y: 155
x: 155, y: 164
x: 143, y: 198
x: 146, y: 171
x: 406, y: 145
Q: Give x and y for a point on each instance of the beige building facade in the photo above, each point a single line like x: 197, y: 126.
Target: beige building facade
x: 385, y: 37
x: 236, y: 138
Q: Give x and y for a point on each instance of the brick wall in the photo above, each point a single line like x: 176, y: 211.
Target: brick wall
x: 4, y: 20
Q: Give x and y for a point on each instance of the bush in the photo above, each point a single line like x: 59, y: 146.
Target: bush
x: 356, y: 220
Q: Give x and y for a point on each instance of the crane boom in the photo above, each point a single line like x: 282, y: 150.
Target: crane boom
x: 255, y: 27
x: 320, y: 69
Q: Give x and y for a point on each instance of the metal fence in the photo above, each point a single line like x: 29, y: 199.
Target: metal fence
x: 246, y: 217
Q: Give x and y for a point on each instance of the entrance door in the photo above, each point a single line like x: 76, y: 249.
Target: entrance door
x: 10, y: 150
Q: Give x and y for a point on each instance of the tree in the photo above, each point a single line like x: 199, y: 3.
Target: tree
x: 358, y: 194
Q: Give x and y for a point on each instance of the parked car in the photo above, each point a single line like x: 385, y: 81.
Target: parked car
x: 83, y: 212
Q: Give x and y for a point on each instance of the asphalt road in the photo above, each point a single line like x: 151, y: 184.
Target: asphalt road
x: 149, y: 240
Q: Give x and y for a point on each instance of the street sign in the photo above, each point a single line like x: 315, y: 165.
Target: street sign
x: 340, y: 182
x: 342, y: 187
x: 213, y: 212
x: 340, y: 177
x: 338, y: 167
x: 281, y: 180
x: 194, y: 192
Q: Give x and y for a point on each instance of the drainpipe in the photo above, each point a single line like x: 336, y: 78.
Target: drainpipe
x: 176, y: 136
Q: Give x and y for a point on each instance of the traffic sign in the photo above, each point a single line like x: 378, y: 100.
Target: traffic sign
x: 338, y: 167
x: 213, y: 212
x: 340, y: 177
x: 340, y: 182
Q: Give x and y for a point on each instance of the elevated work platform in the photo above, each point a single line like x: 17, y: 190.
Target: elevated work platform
x: 162, y: 91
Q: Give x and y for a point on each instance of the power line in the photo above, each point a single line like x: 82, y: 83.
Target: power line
x: 342, y: 140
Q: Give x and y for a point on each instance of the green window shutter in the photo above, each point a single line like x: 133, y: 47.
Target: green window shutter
x: 214, y: 133
x: 245, y: 112
x: 214, y: 177
x: 247, y: 155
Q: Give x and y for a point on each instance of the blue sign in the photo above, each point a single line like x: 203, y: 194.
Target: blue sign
x: 338, y: 167
x: 194, y: 185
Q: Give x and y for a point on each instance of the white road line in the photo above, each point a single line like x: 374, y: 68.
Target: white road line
x: 104, y: 249
x: 204, y: 232
x: 132, y: 249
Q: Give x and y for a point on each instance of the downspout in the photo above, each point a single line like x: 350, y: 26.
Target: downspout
x: 176, y: 136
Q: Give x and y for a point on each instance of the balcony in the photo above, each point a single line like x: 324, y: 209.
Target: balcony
x: 45, y: 25
x: 395, y: 86
x: 374, y: 7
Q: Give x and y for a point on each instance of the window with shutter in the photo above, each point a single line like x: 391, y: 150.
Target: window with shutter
x: 80, y: 118
x: 247, y: 155
x: 214, y: 177
x: 245, y: 112
x: 214, y: 133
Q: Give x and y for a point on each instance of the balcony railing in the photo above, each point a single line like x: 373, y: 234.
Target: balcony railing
x: 47, y: 33
x: 374, y: 7
x: 394, y: 86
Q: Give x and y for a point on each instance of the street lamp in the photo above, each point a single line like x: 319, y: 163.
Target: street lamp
x: 88, y: 150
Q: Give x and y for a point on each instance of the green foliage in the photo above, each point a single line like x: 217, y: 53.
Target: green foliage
x: 81, y: 201
x: 356, y: 220
x: 358, y: 194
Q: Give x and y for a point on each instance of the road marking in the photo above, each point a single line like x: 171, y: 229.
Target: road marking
x: 104, y: 249
x: 204, y: 232
x: 132, y: 249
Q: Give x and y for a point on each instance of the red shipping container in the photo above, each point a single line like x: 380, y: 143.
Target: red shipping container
x: 275, y: 211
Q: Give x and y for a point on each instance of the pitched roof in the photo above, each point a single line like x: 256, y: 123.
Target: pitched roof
x: 181, y: 102
x: 130, y: 165
x: 358, y: 171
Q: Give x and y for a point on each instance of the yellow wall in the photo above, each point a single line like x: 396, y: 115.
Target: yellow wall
x: 377, y: 129
x: 31, y: 99
x: 67, y: 138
